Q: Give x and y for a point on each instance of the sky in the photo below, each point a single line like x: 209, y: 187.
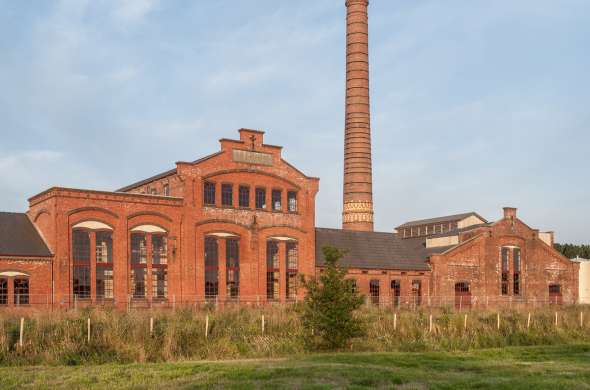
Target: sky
x: 476, y: 104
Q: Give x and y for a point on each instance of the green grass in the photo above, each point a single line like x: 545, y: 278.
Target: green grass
x: 538, y: 367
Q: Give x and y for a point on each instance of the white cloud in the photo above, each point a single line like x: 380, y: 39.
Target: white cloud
x: 132, y: 11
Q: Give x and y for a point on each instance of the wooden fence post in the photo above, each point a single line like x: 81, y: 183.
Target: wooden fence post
x: 498, y: 321
x: 88, y: 330
x: 151, y: 326
x: 22, y: 328
x: 207, y: 326
x: 581, y: 319
x: 262, y: 324
x: 430, y: 324
x: 556, y: 319
x: 394, y: 321
x: 465, y: 322
x: 528, y: 321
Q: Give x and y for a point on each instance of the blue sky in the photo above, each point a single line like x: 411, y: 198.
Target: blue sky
x: 476, y: 104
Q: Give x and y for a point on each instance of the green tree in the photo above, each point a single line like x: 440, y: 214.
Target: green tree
x: 330, y: 304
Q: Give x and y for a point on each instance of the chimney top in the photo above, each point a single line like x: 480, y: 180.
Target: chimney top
x: 510, y: 212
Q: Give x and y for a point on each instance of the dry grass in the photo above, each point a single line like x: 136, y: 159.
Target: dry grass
x: 120, y: 337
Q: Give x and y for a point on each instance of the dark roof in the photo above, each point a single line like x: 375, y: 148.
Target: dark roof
x: 18, y: 237
x: 373, y: 250
x: 162, y: 175
x: 448, y: 218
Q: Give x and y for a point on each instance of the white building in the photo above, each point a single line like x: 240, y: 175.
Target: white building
x: 584, y: 280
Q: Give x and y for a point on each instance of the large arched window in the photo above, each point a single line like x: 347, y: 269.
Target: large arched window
x: 92, y: 252
x: 149, y: 262
x: 3, y: 291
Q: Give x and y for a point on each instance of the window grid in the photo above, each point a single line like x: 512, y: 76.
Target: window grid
x: 292, y: 201
x: 244, y: 196
x: 374, y: 291
x: 232, y: 258
x: 227, y: 195
x: 260, y: 196
x: 277, y: 203
x: 21, y: 291
x: 211, y: 267
x: 209, y: 194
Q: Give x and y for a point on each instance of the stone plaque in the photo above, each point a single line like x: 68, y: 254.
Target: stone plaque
x: 246, y: 156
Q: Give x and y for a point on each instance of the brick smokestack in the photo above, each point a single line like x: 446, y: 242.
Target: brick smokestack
x: 358, y: 188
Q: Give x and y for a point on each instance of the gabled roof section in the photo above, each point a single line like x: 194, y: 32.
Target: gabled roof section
x: 162, y: 175
x: 373, y: 250
x: 19, y: 237
x: 448, y: 218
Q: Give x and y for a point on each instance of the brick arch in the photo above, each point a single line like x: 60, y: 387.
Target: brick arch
x: 131, y: 227
x: 91, y: 219
x: 40, y: 213
x: 257, y: 172
x: 221, y: 221
x: 96, y: 209
x: 149, y: 213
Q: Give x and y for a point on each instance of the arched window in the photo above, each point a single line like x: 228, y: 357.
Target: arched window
x: 149, y: 261
x: 211, y: 268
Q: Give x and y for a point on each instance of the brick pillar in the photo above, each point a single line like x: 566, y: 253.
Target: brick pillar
x: 358, y: 193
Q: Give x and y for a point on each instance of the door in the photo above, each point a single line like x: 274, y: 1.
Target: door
x: 462, y: 295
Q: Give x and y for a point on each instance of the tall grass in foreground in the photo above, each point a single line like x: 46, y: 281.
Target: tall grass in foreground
x: 61, y: 337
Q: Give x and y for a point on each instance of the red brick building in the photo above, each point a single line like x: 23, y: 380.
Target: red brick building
x: 239, y: 226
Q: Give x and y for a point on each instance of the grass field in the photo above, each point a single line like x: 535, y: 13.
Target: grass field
x: 539, y: 367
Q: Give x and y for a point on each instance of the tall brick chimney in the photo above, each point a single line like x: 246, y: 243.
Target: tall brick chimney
x: 357, y: 212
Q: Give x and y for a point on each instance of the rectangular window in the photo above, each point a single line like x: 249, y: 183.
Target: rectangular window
x: 417, y: 292
x: 81, y: 282
x: 159, y: 282
x: 438, y: 228
x: 260, y: 198
x: 138, y: 282
x: 211, y: 268
x: 272, y: 270
x: 292, y: 269
x: 276, y: 200
x: 3, y: 291
x: 244, y: 195
x: 227, y: 195
x: 138, y: 248
x: 396, y: 288
x: 516, y: 271
x: 232, y: 267
x: 21, y: 291
x: 159, y: 250
x: 166, y: 189
x: 505, y: 271
x: 374, y: 291
x: 209, y: 194
x: 104, y: 247
x: 292, y: 201
x: 104, y: 282
x: 81, y: 244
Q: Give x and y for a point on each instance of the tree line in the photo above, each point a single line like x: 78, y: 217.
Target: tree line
x: 571, y: 251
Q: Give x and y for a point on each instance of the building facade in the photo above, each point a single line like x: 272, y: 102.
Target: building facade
x: 235, y: 225
x: 239, y: 226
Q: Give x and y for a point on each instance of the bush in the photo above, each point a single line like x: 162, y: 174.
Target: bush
x: 330, y: 304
